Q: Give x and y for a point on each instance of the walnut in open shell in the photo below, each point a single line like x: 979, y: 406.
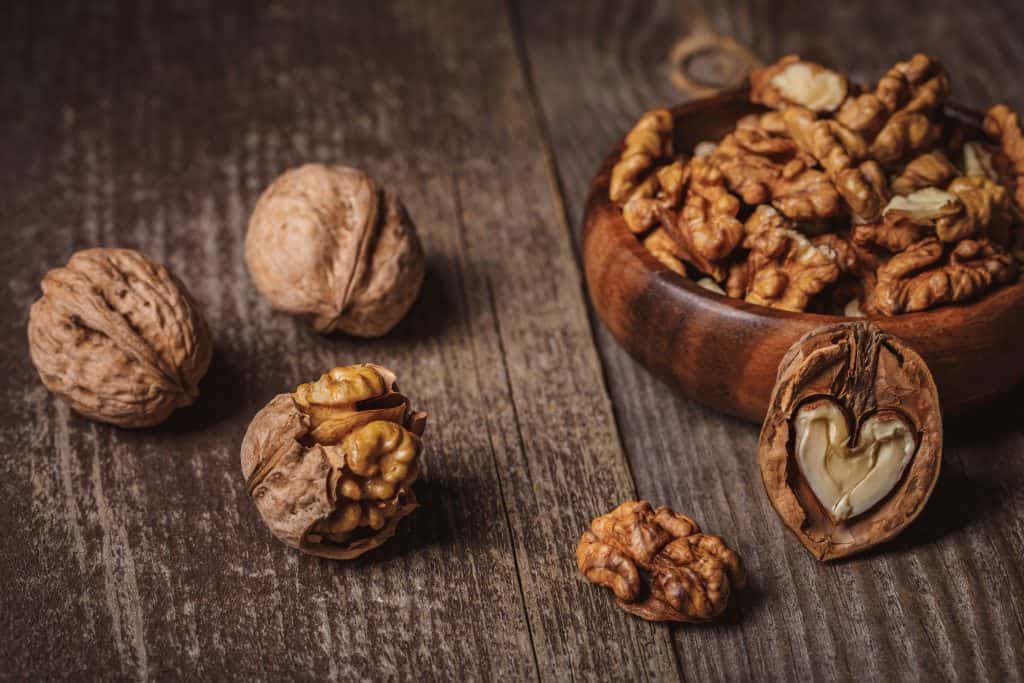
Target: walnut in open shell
x: 119, y: 337
x: 851, y: 447
x: 328, y: 243
x: 331, y: 465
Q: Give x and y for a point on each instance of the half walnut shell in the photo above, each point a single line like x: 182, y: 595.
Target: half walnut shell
x: 331, y: 466
x: 852, y: 444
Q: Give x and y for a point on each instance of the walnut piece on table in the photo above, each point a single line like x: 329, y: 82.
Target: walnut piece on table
x: 659, y: 564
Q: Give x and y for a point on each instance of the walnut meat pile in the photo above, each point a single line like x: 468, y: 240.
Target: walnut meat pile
x: 659, y: 564
x: 119, y: 337
x: 837, y: 198
x: 331, y: 466
x: 329, y: 244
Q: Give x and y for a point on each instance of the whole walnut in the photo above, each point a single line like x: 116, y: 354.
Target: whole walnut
x: 331, y: 465
x: 119, y: 337
x: 328, y: 243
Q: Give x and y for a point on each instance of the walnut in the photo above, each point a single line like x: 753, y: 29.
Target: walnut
x: 839, y: 151
x: 907, y: 219
x: 931, y: 169
x: 665, y: 249
x: 919, y: 85
x: 1003, y: 124
x: 659, y: 564
x: 643, y: 213
x: 920, y: 278
x: 977, y: 161
x: 649, y: 142
x: 792, y: 81
x: 852, y: 444
x: 904, y: 135
x: 785, y: 269
x: 327, y: 243
x: 331, y: 466
x: 707, y: 230
x: 710, y: 285
x: 765, y: 218
x: 983, y: 210
x: 119, y: 337
x: 805, y: 194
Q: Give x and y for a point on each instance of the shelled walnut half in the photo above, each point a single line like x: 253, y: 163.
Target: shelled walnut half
x: 852, y: 444
x: 331, y: 465
x: 659, y: 564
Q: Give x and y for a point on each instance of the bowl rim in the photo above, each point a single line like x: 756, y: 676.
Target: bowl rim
x: 946, y: 316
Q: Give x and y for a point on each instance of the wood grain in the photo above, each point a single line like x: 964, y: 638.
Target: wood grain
x: 138, y: 554
x: 942, y: 602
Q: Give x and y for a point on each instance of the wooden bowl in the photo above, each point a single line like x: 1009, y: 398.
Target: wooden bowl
x: 724, y: 352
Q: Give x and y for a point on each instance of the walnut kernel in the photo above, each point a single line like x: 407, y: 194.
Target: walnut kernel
x: 659, y: 564
x: 331, y: 466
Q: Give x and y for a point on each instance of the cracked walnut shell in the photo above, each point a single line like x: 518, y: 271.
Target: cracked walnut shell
x: 119, y: 337
x: 328, y: 243
x: 851, y: 447
x: 659, y: 564
x: 331, y: 466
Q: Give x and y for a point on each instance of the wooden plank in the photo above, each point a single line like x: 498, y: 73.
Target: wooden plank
x: 945, y: 600
x: 138, y: 554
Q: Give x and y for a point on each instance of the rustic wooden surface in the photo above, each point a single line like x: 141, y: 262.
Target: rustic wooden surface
x: 134, y: 555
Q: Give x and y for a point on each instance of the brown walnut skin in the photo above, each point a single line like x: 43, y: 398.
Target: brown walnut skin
x: 331, y: 466
x: 659, y: 564
x: 329, y: 244
x: 865, y: 372
x: 119, y: 337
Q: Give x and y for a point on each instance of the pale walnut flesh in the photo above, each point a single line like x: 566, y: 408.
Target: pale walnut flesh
x: 119, y: 337
x: 794, y: 81
x: 331, y: 466
x: 851, y: 447
x: 848, y: 480
x: 658, y: 564
x: 329, y: 244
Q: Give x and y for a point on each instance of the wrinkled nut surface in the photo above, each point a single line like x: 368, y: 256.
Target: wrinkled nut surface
x: 331, y: 466
x: 328, y: 243
x: 659, y: 564
x: 119, y: 337
x: 852, y: 444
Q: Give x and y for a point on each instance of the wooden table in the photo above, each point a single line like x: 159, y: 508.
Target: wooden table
x: 137, y: 554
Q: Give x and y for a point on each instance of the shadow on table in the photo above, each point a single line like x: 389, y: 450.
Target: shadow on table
x: 431, y: 525
x: 432, y: 309
x: 969, y: 490
x: 218, y: 400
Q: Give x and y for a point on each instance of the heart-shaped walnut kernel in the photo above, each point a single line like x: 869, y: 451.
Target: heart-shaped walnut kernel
x: 850, y: 479
x: 837, y: 496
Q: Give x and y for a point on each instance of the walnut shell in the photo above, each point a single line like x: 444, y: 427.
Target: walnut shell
x: 331, y: 466
x: 119, y: 337
x: 867, y: 469
x: 327, y: 243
